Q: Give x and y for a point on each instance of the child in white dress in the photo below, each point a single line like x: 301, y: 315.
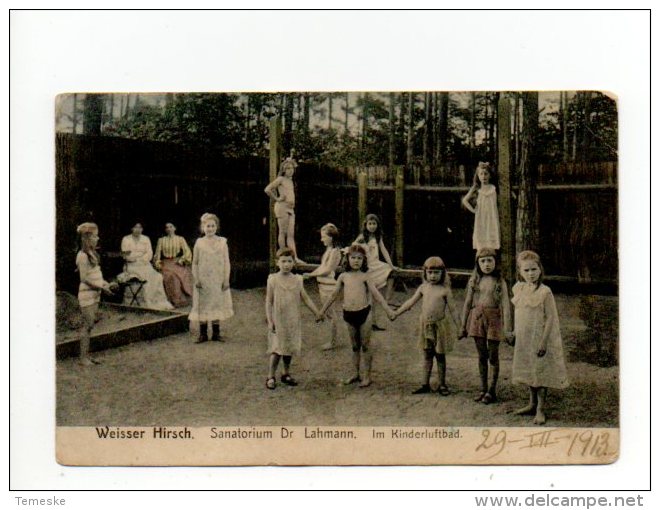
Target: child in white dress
x: 486, y: 233
x: 284, y: 291
x: 438, y: 324
x: 380, y: 272
x: 325, y: 277
x: 210, y: 268
x: 538, y: 358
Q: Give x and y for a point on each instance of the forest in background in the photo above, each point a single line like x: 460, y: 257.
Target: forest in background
x: 349, y: 129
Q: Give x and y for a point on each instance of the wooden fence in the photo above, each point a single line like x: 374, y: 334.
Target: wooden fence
x: 116, y: 182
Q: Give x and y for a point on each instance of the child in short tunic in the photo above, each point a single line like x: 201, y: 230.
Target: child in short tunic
x: 538, y: 358
x: 437, y: 323
x: 486, y: 232
x: 325, y: 277
x: 284, y: 292
x: 486, y: 318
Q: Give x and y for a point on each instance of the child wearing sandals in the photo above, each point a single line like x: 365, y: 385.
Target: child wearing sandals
x: 485, y: 312
x: 284, y: 292
x: 538, y: 358
x: 358, y: 288
x: 437, y: 323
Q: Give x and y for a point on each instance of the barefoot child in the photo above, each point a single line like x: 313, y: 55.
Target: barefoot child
x: 485, y: 310
x: 538, y: 358
x: 380, y: 273
x: 357, y: 288
x: 284, y: 292
x: 437, y: 321
x: 281, y: 190
x: 325, y: 277
x: 486, y: 233
x: 210, y: 268
x: 91, y: 285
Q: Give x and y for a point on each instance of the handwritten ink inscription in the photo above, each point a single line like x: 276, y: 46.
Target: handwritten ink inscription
x: 584, y: 444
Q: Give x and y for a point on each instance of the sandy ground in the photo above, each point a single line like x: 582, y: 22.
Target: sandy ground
x: 171, y: 381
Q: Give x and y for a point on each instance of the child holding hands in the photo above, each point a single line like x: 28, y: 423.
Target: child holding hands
x: 486, y: 316
x: 357, y: 289
x: 325, y: 277
x: 538, y: 358
x: 284, y: 292
x: 437, y: 322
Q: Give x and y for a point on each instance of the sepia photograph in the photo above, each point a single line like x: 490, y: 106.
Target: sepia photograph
x: 301, y: 278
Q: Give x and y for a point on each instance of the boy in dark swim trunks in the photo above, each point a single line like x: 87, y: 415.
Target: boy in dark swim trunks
x: 357, y: 312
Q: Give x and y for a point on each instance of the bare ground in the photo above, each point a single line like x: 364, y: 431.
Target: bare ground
x: 171, y: 381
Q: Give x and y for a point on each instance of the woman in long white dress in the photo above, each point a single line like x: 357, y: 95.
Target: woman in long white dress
x: 137, y: 252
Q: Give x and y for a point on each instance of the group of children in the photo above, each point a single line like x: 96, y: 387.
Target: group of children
x: 538, y: 356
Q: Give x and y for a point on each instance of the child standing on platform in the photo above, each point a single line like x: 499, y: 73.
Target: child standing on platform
x: 380, y: 273
x: 284, y: 291
x: 210, y: 268
x: 91, y: 285
x: 486, y: 315
x: 281, y: 190
x: 325, y: 277
x: 437, y: 323
x: 486, y: 232
x: 357, y: 289
x: 538, y: 358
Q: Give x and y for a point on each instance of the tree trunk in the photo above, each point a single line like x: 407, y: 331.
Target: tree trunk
x: 111, y: 108
x: 443, y: 121
x: 516, y: 129
x: 365, y: 119
x: 346, y: 116
x: 401, y: 135
x: 491, y: 128
x: 92, y: 114
x: 329, y: 112
x: 563, y: 101
x: 392, y: 138
x: 527, y: 218
x: 287, y: 136
x: 308, y: 99
x: 428, y: 129
x: 74, y: 114
x: 410, y: 143
x: 586, y: 127
x: 576, y: 106
x: 473, y: 117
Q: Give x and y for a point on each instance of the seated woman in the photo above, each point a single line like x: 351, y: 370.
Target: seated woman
x: 137, y: 252
x: 173, y: 258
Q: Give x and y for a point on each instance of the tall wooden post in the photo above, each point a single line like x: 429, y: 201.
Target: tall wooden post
x: 362, y: 197
x: 399, y: 185
x: 275, y: 142
x: 507, y: 220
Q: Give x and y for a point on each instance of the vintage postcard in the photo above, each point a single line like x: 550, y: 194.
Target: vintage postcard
x: 337, y: 278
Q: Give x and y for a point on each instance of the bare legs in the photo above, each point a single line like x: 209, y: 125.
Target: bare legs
x: 536, y: 406
x: 89, y: 314
x: 272, y: 369
x: 361, y: 355
x: 286, y: 227
x: 488, y: 355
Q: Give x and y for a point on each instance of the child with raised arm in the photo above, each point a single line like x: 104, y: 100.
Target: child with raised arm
x: 210, y: 268
x: 538, y: 358
x: 486, y: 316
x: 357, y: 290
x: 325, y: 277
x: 281, y: 190
x: 437, y: 322
x: 486, y: 233
x: 380, y: 273
x: 91, y: 285
x: 284, y: 291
